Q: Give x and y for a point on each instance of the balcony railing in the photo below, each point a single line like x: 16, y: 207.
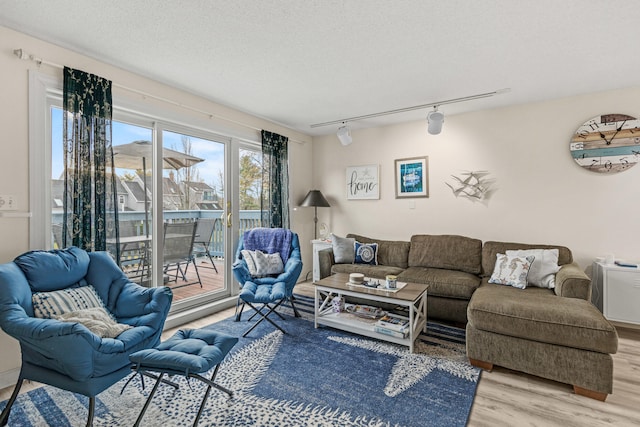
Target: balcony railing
x: 132, y: 224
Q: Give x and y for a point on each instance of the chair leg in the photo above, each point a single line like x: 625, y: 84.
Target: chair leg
x: 92, y: 410
x: 4, y: 417
x: 239, y: 312
x: 212, y: 263
x: 264, y: 317
x: 193, y: 260
x: 146, y: 404
x: 210, y: 384
x: 295, y: 310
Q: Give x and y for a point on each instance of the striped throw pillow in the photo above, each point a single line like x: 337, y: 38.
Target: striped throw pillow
x: 48, y: 305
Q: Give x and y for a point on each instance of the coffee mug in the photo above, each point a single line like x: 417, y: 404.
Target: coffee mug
x: 392, y: 281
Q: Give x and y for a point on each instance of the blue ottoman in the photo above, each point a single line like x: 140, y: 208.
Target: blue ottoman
x: 189, y: 353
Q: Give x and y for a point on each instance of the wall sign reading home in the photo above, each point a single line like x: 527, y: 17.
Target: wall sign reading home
x: 412, y: 177
x: 362, y: 182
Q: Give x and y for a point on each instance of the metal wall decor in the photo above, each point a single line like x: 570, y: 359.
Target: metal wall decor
x: 472, y: 185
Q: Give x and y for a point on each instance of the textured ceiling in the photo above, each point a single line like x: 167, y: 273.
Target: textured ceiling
x: 302, y: 62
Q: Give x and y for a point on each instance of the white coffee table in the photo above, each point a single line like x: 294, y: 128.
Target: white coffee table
x: 412, y: 296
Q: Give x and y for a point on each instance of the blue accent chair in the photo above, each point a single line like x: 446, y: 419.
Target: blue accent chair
x: 64, y: 354
x: 270, y: 291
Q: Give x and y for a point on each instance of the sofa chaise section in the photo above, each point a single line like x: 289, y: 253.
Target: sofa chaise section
x: 552, y: 333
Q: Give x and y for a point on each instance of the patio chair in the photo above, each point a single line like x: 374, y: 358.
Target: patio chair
x: 39, y: 287
x: 178, y: 251
x: 204, y: 232
x: 265, y: 293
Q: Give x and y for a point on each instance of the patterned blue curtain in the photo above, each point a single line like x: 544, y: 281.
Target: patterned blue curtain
x: 275, y: 181
x: 90, y: 219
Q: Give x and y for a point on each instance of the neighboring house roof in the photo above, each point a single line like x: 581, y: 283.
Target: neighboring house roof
x: 202, y: 186
x: 136, y: 189
x: 57, y: 191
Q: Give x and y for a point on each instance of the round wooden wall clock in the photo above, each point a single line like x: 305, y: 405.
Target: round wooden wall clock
x: 608, y: 143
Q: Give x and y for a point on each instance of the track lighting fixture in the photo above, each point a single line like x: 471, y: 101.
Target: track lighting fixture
x: 407, y: 109
x: 435, y: 119
x: 344, y: 134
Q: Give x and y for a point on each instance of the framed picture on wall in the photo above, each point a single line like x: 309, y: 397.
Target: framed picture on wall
x: 412, y: 177
x: 362, y: 182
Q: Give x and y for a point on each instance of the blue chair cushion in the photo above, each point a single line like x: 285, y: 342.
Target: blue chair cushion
x: 251, y: 292
x: 52, y: 270
x: 189, y: 351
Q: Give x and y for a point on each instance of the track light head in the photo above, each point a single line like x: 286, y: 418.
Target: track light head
x: 435, y: 119
x: 344, y: 135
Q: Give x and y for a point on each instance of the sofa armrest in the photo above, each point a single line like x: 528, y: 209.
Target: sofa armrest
x: 325, y: 261
x: 572, y: 282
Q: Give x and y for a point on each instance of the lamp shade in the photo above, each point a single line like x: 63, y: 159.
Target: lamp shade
x: 315, y: 198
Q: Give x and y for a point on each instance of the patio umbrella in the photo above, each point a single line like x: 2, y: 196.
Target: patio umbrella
x: 134, y: 156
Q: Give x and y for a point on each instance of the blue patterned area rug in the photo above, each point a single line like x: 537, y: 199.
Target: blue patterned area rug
x: 306, y: 377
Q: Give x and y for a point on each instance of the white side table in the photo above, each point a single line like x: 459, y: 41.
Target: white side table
x: 620, y: 287
x: 318, y: 245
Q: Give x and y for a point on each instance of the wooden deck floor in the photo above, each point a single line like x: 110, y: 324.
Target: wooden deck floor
x: 211, y: 281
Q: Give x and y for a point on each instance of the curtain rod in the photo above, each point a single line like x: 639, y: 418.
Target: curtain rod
x: 21, y: 54
x: 417, y: 107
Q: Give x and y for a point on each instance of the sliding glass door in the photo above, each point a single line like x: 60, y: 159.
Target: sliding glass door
x: 204, y: 187
x: 194, y: 207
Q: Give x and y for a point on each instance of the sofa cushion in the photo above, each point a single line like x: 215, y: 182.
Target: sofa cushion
x: 377, y: 271
x: 511, y: 270
x: 366, y: 253
x: 442, y: 283
x: 448, y: 252
x: 491, y: 249
x: 343, y: 249
x: 393, y: 253
x: 538, y: 314
x: 544, y: 268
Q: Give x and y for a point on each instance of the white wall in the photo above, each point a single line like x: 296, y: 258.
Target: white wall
x: 542, y: 195
x: 14, y: 148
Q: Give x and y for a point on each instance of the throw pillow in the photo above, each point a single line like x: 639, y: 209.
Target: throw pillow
x: 97, y: 320
x: 366, y: 253
x: 48, y: 305
x: 511, y: 271
x: 343, y: 249
x: 544, y: 268
x: 261, y: 264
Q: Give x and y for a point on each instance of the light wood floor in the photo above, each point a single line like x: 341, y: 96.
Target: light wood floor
x: 509, y: 398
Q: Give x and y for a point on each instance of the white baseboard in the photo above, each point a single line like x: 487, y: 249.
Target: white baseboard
x: 180, y: 318
x: 9, y: 378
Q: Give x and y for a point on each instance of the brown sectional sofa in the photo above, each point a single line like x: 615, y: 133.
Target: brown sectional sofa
x: 552, y: 333
x: 450, y: 265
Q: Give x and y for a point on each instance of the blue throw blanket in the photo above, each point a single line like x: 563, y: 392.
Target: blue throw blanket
x: 269, y: 240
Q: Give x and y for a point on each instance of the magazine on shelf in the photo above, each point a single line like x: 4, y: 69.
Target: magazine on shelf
x: 391, y: 332
x: 365, y: 311
x: 394, y: 322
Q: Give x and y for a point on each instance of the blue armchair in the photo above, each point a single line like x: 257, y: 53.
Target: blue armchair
x: 272, y: 290
x: 94, y: 363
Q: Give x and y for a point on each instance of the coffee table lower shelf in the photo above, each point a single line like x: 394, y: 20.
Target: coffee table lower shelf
x: 324, y: 314
x: 345, y: 322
